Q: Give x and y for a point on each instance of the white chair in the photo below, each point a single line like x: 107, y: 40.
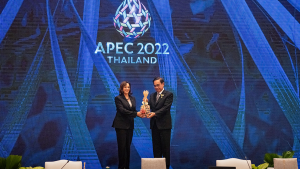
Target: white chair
x: 63, y: 163
x: 234, y: 162
x: 285, y: 163
x: 153, y: 163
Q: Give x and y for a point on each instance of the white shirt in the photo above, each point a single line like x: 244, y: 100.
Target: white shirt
x: 130, y: 104
x: 161, y: 91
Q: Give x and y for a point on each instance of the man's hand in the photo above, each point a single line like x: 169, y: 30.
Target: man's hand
x: 150, y: 115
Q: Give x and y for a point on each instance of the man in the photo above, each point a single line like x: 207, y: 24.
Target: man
x: 161, y: 123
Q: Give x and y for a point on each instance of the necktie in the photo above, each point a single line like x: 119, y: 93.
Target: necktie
x: 157, y: 97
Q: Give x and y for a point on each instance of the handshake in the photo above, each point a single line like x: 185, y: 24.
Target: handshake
x: 145, y: 108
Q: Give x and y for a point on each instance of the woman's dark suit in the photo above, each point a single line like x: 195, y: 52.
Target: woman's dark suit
x: 124, y: 124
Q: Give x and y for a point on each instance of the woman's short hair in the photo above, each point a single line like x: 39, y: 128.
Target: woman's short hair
x: 122, y: 85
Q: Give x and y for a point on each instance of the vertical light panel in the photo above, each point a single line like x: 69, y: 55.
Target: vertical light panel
x: 84, y: 72
x: 80, y: 133
x: 240, y: 122
x: 210, y: 117
x: 265, y: 60
x: 142, y: 138
x: 18, y: 111
x: 166, y: 67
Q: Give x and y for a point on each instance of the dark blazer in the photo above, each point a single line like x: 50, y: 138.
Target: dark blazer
x: 161, y: 108
x: 125, y: 115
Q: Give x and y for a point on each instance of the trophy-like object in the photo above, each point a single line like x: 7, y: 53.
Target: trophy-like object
x: 145, y: 107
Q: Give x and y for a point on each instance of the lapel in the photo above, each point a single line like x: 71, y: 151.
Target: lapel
x: 132, y: 102
x: 154, y: 98
x: 160, y: 98
x: 126, y: 102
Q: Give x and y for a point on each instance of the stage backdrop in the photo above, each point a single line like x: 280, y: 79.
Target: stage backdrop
x: 231, y: 64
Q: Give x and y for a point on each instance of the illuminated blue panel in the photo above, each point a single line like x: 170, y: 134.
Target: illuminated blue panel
x: 8, y: 16
x: 85, y: 63
x: 80, y: 133
x: 18, y: 111
x: 20, y: 108
x: 199, y: 6
x: 69, y: 150
x: 295, y: 68
x: 210, y: 117
x: 283, y: 18
x: 141, y: 138
x: 287, y: 23
x: 240, y: 124
x: 265, y: 60
x: 295, y: 3
x: 84, y: 72
x: 164, y: 11
x: 166, y: 67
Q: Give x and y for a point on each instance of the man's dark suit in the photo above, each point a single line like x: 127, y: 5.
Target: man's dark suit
x: 161, y: 124
x: 124, y: 124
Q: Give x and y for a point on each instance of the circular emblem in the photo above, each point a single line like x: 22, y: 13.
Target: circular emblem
x: 132, y: 19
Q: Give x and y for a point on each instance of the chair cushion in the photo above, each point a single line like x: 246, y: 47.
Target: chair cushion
x: 234, y: 162
x: 60, y: 163
x: 285, y: 163
x: 151, y: 163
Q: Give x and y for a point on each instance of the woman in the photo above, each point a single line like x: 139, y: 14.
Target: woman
x: 124, y: 122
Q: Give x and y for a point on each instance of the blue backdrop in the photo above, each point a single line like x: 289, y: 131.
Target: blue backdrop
x: 231, y: 64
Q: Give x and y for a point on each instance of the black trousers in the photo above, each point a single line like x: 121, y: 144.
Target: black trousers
x: 161, y: 143
x: 124, y: 138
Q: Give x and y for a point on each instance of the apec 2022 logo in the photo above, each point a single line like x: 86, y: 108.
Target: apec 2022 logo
x: 132, y: 16
x: 132, y: 20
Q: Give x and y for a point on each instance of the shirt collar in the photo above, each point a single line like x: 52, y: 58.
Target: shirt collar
x: 161, y: 91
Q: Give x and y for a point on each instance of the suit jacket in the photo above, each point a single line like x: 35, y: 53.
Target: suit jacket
x: 125, y: 115
x: 161, y: 108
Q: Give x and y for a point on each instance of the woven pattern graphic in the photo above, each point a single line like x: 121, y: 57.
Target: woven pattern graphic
x: 132, y: 19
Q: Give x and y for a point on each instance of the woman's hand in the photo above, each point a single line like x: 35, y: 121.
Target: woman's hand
x: 140, y: 114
